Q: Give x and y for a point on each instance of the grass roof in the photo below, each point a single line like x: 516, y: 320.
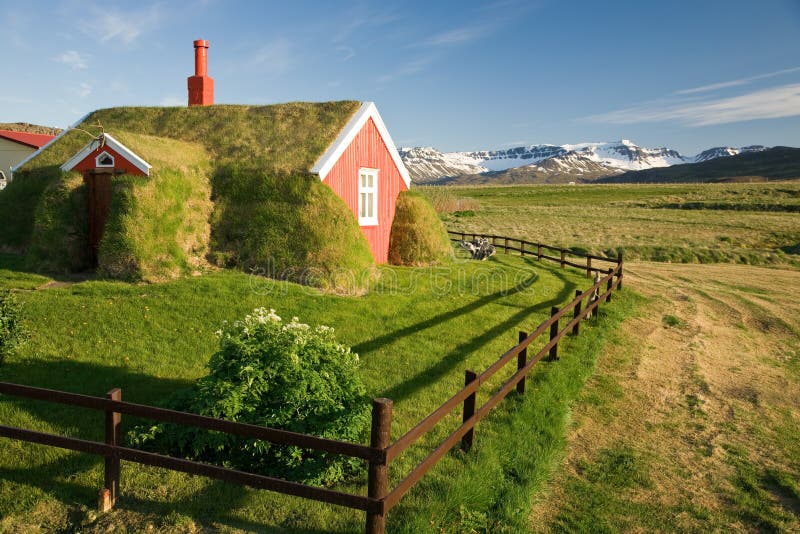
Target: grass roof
x: 280, y: 139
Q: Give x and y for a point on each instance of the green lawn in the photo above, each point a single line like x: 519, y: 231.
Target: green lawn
x: 416, y: 331
x: 705, y: 223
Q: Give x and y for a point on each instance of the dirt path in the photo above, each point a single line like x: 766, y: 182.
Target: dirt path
x: 697, y: 405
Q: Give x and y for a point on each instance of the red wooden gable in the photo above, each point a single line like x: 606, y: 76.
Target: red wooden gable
x: 369, y: 150
x: 121, y: 164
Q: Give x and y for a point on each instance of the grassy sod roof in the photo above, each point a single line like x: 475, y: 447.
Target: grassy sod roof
x: 282, y: 138
x: 267, y: 209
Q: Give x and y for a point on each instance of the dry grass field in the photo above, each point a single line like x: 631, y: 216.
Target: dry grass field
x: 702, y: 223
x: 692, y: 420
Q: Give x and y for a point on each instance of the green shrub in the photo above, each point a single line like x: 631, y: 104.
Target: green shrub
x: 418, y: 236
x: 281, y: 375
x: 11, y: 331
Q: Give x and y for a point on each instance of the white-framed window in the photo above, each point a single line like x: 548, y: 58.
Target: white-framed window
x: 367, y: 197
x: 104, y: 159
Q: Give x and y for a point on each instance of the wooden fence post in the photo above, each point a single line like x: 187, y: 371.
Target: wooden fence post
x: 576, y: 328
x: 553, y: 333
x: 469, y: 410
x: 110, y: 491
x: 521, y: 247
x: 619, y: 276
x: 505, y: 247
x: 539, y: 251
x: 463, y: 236
x: 378, y: 476
x: 589, y: 266
x: 563, y: 257
x: 522, y: 359
x: 609, y: 284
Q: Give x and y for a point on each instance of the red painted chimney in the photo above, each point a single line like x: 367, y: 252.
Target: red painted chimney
x: 201, y: 87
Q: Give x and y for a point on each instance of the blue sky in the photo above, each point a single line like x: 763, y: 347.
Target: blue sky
x: 453, y: 75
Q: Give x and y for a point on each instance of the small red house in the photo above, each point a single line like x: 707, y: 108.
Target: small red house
x: 361, y: 165
x: 99, y: 161
x: 364, y: 168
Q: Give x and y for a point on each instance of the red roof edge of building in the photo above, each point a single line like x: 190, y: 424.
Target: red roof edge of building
x: 32, y: 140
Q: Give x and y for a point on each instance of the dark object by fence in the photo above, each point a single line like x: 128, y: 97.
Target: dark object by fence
x: 480, y: 248
x: 381, y: 452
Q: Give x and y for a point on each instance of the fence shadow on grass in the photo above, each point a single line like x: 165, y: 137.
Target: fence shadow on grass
x: 446, y: 364
x: 390, y: 337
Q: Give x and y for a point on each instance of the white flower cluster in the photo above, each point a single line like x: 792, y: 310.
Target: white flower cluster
x: 262, y: 319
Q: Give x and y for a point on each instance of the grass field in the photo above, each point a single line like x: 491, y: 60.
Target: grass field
x: 416, y: 332
x: 734, y: 223
x: 692, y: 422
x: 689, y: 421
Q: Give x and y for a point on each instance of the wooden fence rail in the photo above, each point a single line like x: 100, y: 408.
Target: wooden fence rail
x: 381, y: 451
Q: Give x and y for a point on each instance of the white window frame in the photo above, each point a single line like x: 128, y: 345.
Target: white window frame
x: 364, y: 192
x: 100, y: 156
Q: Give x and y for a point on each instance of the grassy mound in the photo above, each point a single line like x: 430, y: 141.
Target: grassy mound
x: 58, y: 226
x: 290, y: 228
x: 157, y: 226
x: 18, y: 206
x: 268, y: 212
x: 418, y: 236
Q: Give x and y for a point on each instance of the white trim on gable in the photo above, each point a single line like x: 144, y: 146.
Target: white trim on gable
x: 367, y: 111
x: 53, y: 140
x: 109, y: 141
x: 98, y: 161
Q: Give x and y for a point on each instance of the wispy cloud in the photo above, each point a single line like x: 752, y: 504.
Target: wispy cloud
x: 345, y: 53
x: 735, y: 83
x: 272, y: 58
x: 407, y: 69
x: 772, y: 103
x: 14, y: 100
x: 455, y: 36
x: 83, y: 90
x: 358, y: 18
x: 114, y: 25
x: 73, y: 59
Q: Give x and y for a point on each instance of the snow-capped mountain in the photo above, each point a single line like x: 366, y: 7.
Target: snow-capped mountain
x: 582, y: 161
x: 724, y: 151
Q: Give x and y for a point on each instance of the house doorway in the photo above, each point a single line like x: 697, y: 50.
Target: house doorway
x: 98, y: 194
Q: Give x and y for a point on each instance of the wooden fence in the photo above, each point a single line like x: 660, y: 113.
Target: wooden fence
x: 381, y: 451
x: 514, y: 244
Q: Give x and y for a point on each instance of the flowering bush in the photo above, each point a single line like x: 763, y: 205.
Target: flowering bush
x: 11, y: 332
x: 281, y: 375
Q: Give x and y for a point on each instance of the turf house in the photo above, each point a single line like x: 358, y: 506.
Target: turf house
x: 299, y: 191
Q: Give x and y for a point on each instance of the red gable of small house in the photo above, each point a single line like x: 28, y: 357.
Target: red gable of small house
x: 106, y: 153
x: 364, y: 168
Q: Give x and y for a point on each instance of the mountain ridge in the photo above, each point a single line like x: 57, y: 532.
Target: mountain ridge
x: 546, y: 163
